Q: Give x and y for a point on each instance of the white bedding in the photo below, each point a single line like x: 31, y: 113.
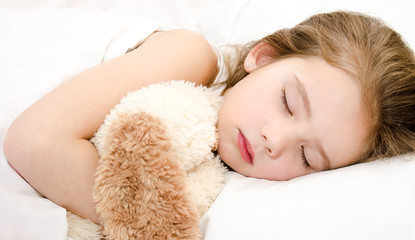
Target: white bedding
x: 367, y: 201
x: 32, y: 65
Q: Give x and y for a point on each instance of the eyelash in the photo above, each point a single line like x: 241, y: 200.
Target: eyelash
x: 303, y: 158
x: 285, y: 102
x: 287, y: 108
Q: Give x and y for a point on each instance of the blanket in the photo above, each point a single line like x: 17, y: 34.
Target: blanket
x: 48, y: 47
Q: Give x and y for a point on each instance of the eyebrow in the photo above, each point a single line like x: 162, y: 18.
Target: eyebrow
x: 304, y: 97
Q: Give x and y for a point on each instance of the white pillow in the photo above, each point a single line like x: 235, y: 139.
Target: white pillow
x: 366, y: 201
x: 224, y: 21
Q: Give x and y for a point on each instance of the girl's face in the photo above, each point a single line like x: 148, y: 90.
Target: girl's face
x: 290, y: 118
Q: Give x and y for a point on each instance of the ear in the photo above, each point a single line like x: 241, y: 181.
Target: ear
x: 259, y: 55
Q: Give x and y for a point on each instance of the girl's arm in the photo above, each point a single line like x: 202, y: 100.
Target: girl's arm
x: 48, y: 143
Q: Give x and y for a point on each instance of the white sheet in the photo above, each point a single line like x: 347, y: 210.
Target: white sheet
x: 24, y: 214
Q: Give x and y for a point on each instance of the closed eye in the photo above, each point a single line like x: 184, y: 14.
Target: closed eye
x: 303, y: 158
x: 284, y: 102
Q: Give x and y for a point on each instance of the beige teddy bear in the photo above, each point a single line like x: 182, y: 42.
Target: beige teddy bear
x: 157, y: 174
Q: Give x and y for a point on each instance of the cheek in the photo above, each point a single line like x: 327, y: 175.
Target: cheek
x: 280, y: 170
x: 237, y: 110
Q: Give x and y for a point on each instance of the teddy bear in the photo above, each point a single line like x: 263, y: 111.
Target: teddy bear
x: 158, y: 174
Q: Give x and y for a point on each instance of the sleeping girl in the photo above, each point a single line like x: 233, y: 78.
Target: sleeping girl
x: 335, y: 90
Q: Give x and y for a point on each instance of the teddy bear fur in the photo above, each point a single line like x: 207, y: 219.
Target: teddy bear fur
x: 157, y: 174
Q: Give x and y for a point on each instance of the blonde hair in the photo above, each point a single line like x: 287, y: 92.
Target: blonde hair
x: 373, y: 53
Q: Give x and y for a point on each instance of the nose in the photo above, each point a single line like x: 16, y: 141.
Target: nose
x: 276, y: 139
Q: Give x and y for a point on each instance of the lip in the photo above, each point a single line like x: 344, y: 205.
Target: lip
x: 245, y: 148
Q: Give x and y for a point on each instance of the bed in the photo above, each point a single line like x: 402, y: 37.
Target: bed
x: 373, y: 200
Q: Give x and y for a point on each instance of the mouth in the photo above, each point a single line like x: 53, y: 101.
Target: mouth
x: 245, y: 148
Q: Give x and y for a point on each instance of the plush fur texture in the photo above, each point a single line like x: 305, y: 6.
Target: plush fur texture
x: 140, y: 187
x: 82, y: 229
x: 157, y: 174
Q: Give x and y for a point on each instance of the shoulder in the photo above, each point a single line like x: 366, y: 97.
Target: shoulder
x: 185, y: 49
x: 185, y: 39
